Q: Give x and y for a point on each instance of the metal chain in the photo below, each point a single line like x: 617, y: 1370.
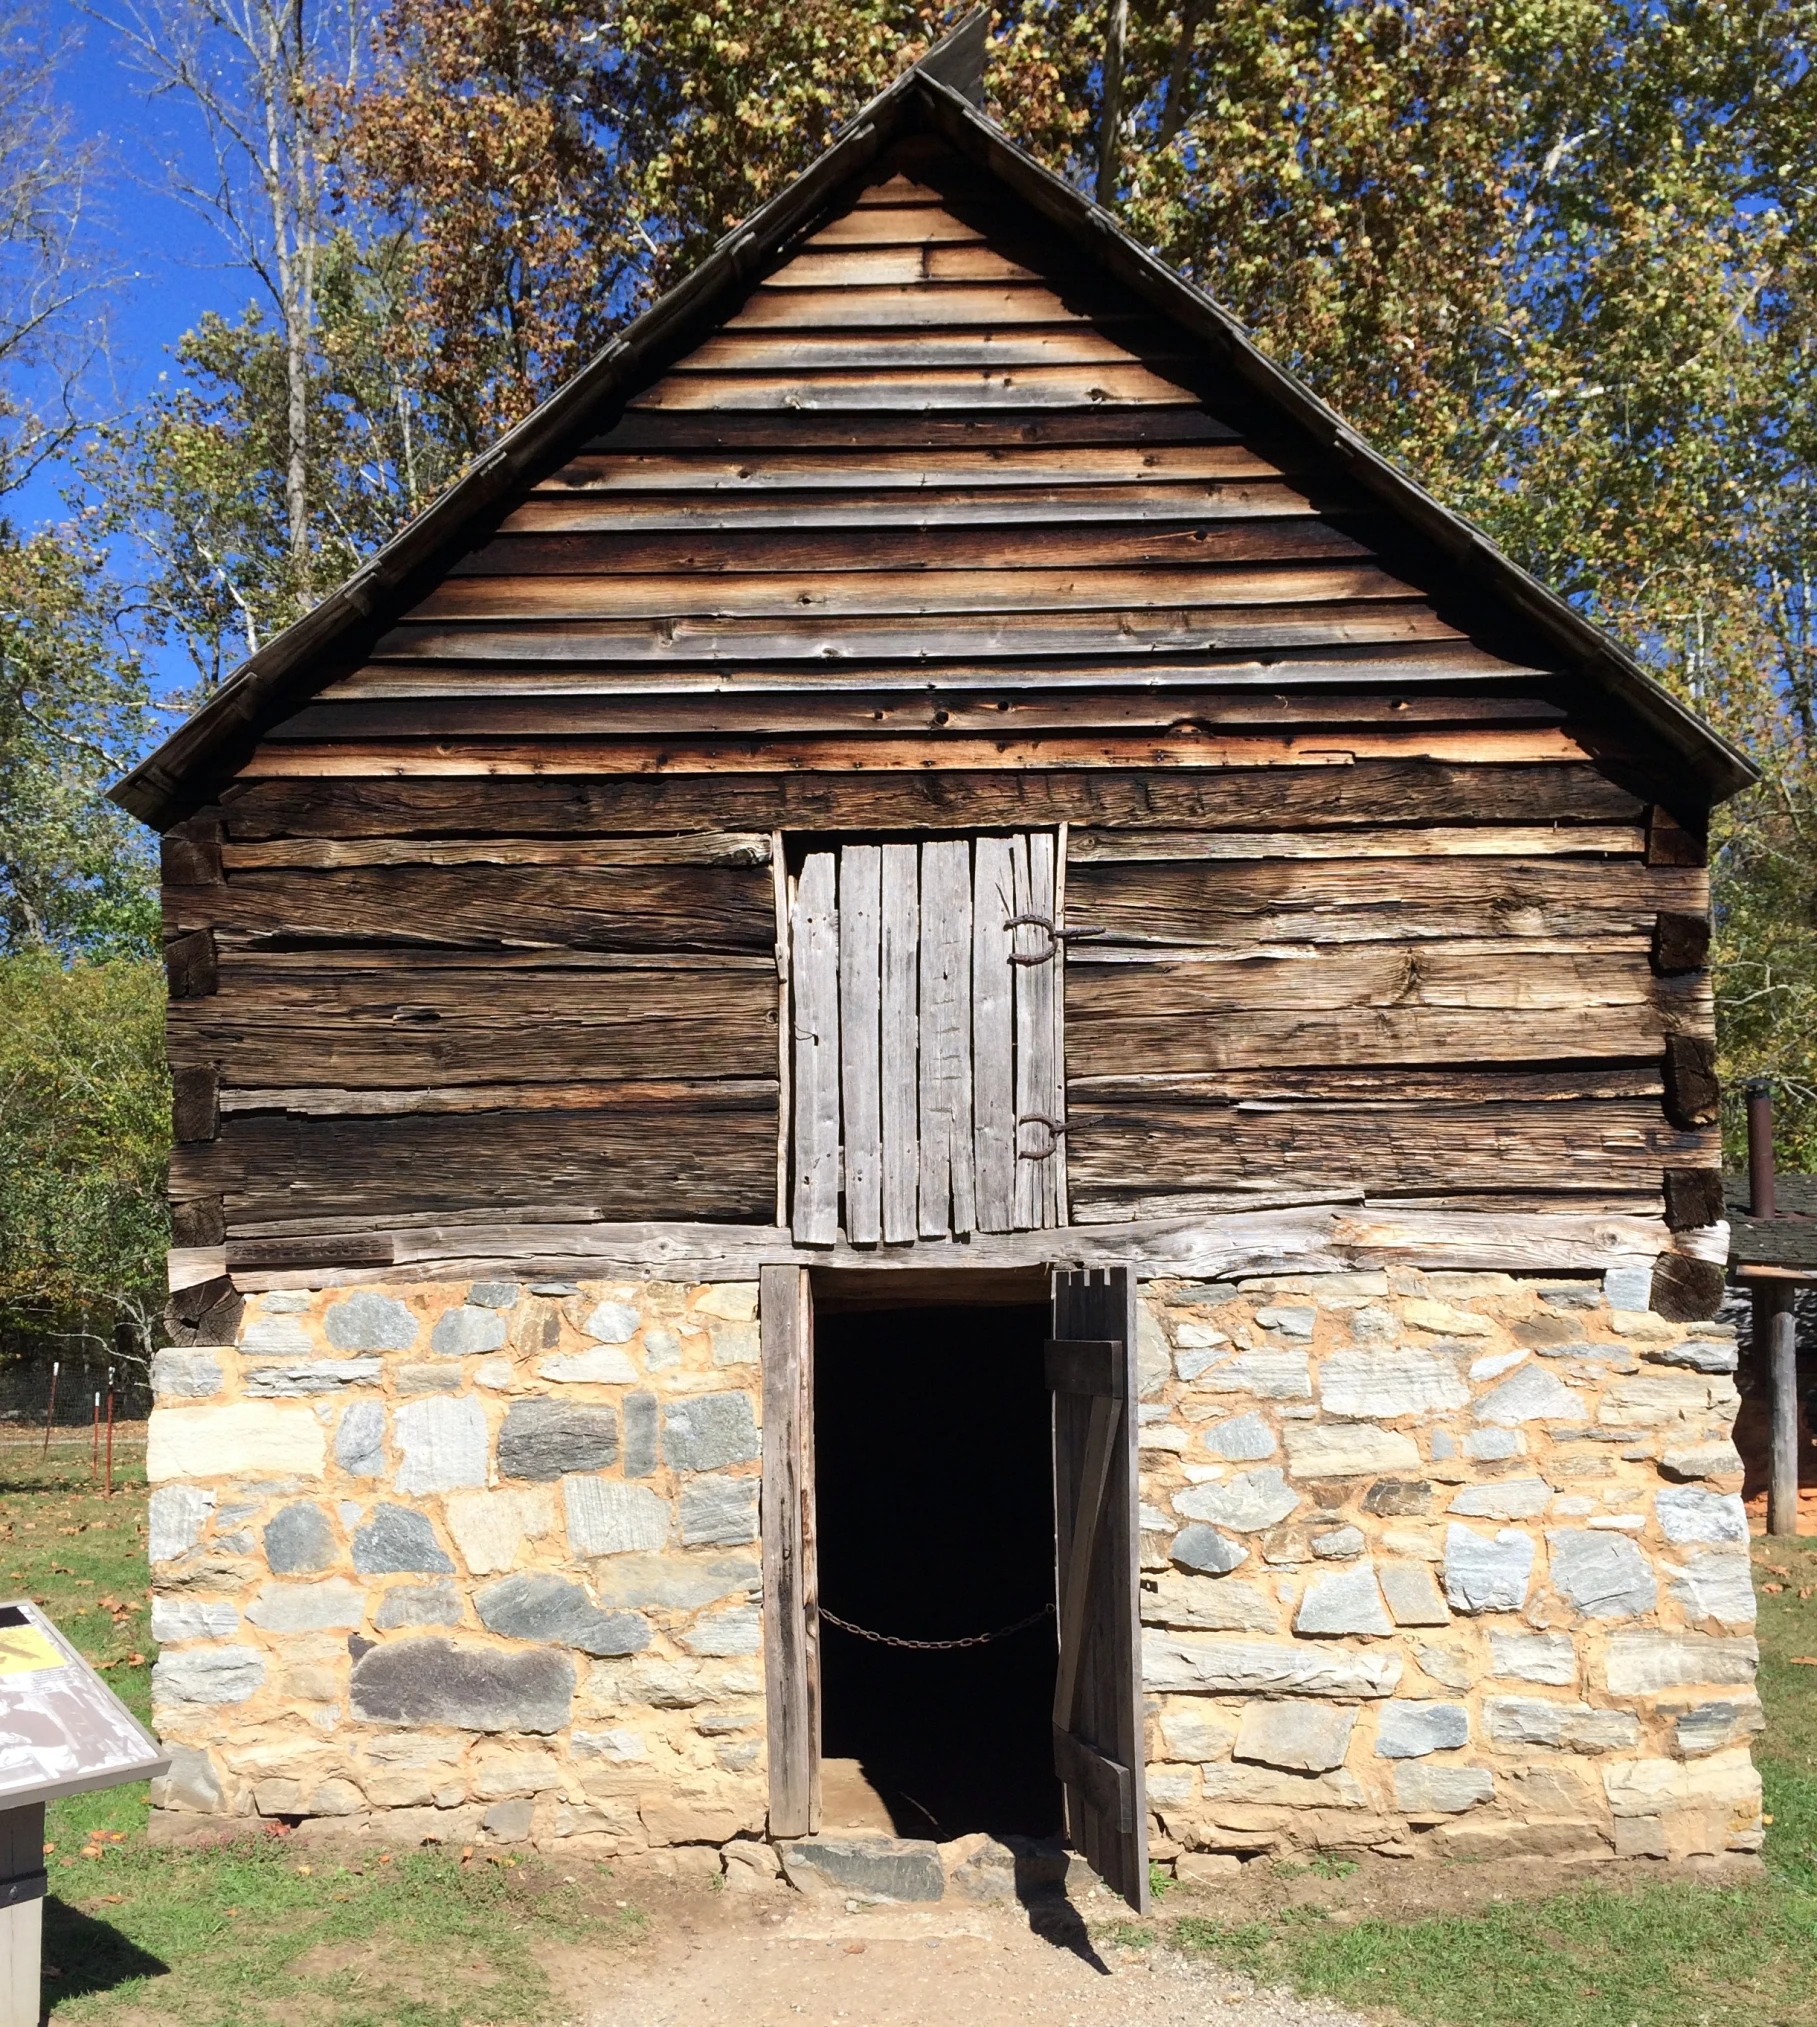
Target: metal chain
x: 937, y: 1646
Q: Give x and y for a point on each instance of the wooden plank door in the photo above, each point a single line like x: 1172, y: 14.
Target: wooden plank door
x: 927, y: 1080
x: 1091, y: 1373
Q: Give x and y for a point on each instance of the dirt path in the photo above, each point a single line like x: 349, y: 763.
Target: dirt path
x: 784, y: 1962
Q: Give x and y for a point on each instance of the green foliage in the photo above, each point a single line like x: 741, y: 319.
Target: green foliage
x: 75, y: 872
x: 84, y: 1131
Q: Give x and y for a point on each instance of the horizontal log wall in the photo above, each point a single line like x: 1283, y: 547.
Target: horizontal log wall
x: 932, y: 535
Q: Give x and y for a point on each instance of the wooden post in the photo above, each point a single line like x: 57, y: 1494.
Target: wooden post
x: 50, y: 1409
x: 1781, y: 1348
x: 22, y: 1886
x: 791, y: 1629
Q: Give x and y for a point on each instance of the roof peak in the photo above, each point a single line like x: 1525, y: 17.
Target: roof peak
x: 957, y: 59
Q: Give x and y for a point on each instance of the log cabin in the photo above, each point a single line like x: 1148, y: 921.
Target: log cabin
x: 940, y: 1084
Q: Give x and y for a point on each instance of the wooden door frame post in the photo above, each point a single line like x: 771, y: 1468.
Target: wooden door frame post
x: 791, y: 1620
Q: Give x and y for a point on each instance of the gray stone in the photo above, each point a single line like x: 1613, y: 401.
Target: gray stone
x: 1248, y: 1785
x: 1628, y: 1287
x: 1492, y: 1445
x: 544, y: 1440
x: 612, y: 1323
x: 1212, y: 1604
x: 1199, y: 1547
x: 718, y: 1510
x: 185, y: 1375
x: 736, y: 1344
x: 318, y: 1376
x: 1485, y: 1573
x: 1444, y: 1445
x: 369, y: 1321
x: 1244, y: 1439
x: 1295, y: 1321
x: 359, y: 1440
x: 417, y: 1605
x: 438, y: 1681
x: 1699, y: 1354
x: 1531, y: 1395
x: 1601, y: 1574
x: 1718, y: 1584
x: 1217, y: 1667
x: 1534, y: 1657
x: 443, y: 1443
x: 640, y: 1435
x: 1246, y: 1504
x: 1503, y: 1499
x: 600, y: 1365
x: 299, y: 1540
x: 176, y: 1520
x: 869, y: 1868
x: 1390, y: 1381
x: 396, y: 1539
x: 276, y: 1337
x: 1153, y: 1369
x: 1413, y: 1595
x: 536, y: 1605
x: 1308, y: 1738
x: 1441, y: 1791
x: 1561, y: 1727
x: 1708, y: 1727
x: 1271, y: 1375
x: 1342, y: 1544
x: 1345, y: 1601
x: 674, y: 1583
x: 1702, y: 1460
x: 190, y: 1784
x: 462, y: 1332
x: 709, y: 1432
x: 332, y: 1606
x: 175, y: 1619
x: 493, y: 1295
x: 1406, y: 1730
x: 728, y: 1633
x: 1686, y: 1513
x: 207, y: 1675
x: 608, y: 1517
x: 1347, y: 1450
x: 509, y: 1822
x: 1642, y: 1661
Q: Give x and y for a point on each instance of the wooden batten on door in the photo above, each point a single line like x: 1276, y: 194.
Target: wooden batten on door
x: 924, y: 1015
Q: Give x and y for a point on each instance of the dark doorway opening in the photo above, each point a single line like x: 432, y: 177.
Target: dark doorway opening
x: 934, y: 1519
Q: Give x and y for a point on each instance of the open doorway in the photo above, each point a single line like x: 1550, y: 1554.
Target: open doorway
x: 934, y: 1495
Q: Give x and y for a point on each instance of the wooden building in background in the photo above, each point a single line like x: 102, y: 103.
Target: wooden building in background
x: 934, y: 777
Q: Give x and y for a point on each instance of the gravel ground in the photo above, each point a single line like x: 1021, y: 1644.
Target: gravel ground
x: 811, y: 1964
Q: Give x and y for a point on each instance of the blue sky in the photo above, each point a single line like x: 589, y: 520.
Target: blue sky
x: 171, y: 267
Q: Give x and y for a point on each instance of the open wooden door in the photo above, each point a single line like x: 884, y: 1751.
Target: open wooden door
x: 1091, y: 1372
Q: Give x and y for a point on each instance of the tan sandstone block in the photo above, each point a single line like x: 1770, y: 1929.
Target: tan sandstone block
x: 696, y: 1819
x: 501, y: 1773
x: 265, y: 1439
x: 491, y: 1528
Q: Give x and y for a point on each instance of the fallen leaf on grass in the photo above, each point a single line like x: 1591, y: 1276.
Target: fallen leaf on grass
x: 854, y: 1949
x: 111, y: 1900
x: 1772, y: 1590
x: 1804, y: 1660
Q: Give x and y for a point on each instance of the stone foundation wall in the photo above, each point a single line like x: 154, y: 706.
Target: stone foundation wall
x: 468, y: 1563
x: 1431, y: 1563
x: 1442, y: 1563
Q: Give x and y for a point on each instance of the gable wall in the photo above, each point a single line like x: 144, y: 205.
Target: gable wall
x: 928, y: 536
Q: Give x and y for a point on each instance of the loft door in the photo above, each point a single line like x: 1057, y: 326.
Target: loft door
x: 926, y: 1007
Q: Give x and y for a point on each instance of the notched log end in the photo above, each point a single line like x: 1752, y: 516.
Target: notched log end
x: 1687, y: 1290
x: 1692, y: 1090
x: 1681, y: 943
x: 192, y: 965
x: 198, y: 1221
x: 1693, y: 1198
x: 1670, y: 843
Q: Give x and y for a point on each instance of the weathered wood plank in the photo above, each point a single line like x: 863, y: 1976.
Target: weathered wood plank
x: 906, y: 593
x: 860, y: 1010
x: 900, y: 1022
x: 814, y: 977
x: 799, y: 304
x: 318, y: 1101
x: 1370, y: 792
x: 993, y: 1030
x: 1039, y: 1094
x: 717, y: 908
x: 1179, y: 746
x: 698, y: 848
x: 982, y: 349
x: 887, y: 267
x: 893, y: 389
x: 762, y: 436
x: 1502, y: 841
x: 948, y: 1201
x: 660, y: 1160
x: 1016, y: 538
x: 791, y: 1674
x: 320, y: 1020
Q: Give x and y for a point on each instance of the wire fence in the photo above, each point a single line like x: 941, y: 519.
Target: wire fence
x: 64, y: 1418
